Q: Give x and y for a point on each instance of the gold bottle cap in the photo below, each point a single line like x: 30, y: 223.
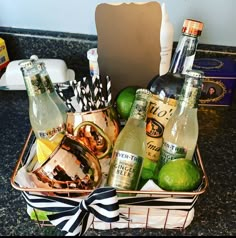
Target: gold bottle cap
x: 192, y: 27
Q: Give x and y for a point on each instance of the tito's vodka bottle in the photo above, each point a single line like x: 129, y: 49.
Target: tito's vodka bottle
x: 181, y: 131
x: 45, y: 118
x: 166, y: 89
x: 130, y: 146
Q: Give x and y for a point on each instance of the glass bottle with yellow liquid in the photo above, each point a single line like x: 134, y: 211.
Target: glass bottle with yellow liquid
x: 130, y: 146
x: 181, y: 131
x: 45, y: 118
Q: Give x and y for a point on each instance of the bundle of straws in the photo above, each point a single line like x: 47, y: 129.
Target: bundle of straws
x: 88, y: 94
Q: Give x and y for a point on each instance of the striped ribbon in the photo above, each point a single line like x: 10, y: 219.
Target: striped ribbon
x: 76, y: 217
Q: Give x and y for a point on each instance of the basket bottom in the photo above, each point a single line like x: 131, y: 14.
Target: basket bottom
x: 149, y: 218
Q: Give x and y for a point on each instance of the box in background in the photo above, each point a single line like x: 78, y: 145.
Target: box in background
x: 219, y: 82
x: 4, y: 59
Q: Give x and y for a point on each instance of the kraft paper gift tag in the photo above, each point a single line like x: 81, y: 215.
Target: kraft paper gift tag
x: 128, y: 43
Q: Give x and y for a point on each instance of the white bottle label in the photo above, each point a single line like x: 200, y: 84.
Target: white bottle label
x: 125, y: 170
x: 158, y: 115
x: 171, y: 151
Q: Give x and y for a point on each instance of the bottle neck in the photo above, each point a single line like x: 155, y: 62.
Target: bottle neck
x: 190, y: 94
x: 184, y: 54
x: 139, y: 108
x: 47, y: 83
x: 34, y: 85
x: 45, y: 78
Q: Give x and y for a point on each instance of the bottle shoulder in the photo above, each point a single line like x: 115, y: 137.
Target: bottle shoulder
x: 168, y: 85
x: 181, y: 121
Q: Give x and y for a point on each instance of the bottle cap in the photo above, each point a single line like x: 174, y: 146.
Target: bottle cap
x: 192, y: 27
x: 92, y: 54
x: 34, y: 57
x: 26, y: 64
x: 143, y: 91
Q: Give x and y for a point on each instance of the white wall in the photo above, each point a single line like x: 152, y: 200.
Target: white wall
x: 78, y: 16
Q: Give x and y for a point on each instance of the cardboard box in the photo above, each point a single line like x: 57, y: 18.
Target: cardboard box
x: 4, y: 59
x: 219, y: 82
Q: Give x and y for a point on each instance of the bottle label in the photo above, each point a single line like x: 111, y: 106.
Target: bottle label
x: 158, y: 114
x: 139, y: 109
x: 125, y: 170
x: 34, y: 85
x: 189, y: 96
x: 50, y: 134
x: 47, y: 83
x: 171, y: 151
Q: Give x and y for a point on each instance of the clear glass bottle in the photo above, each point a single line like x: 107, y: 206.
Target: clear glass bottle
x: 51, y: 90
x: 45, y: 118
x: 130, y: 146
x: 166, y: 90
x: 181, y: 132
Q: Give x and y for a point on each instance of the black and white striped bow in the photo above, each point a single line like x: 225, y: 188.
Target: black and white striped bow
x: 76, y: 217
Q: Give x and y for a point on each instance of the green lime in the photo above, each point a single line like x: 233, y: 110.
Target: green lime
x: 124, y: 101
x: 179, y: 175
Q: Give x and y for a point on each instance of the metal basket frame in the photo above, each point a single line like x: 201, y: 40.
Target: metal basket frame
x: 145, y: 223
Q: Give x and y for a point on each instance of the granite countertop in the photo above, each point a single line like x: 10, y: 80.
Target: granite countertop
x: 215, y: 210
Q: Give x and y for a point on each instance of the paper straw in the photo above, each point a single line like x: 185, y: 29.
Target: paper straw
x: 109, y: 96
x: 102, y: 98
x: 70, y: 106
x: 85, y: 95
x: 78, y: 97
x: 97, y: 92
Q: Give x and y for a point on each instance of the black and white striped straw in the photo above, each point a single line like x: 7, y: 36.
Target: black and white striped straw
x: 109, y: 95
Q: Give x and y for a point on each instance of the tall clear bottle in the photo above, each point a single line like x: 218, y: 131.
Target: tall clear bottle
x: 130, y: 146
x: 166, y: 89
x: 45, y: 118
x: 181, y: 132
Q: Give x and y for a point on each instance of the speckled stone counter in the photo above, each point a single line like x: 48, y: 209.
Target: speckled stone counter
x: 215, y: 210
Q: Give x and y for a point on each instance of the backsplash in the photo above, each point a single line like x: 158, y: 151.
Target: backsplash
x: 72, y: 48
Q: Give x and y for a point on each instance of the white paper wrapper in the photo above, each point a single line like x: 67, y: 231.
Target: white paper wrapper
x: 149, y: 218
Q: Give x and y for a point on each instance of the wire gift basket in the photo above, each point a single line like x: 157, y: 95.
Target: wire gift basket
x: 72, y: 206
x: 149, y: 208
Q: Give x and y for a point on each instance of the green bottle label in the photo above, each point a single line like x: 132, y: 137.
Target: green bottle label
x: 47, y: 83
x: 171, y: 151
x: 139, y: 109
x: 125, y: 170
x: 34, y: 85
x: 189, y: 96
